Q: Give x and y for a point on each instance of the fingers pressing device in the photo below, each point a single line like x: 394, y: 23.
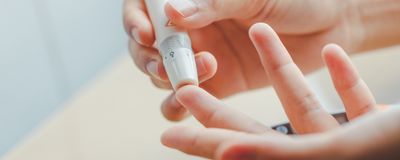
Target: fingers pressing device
x: 174, y: 46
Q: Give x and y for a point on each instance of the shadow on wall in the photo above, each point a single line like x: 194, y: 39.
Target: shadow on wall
x: 48, y: 49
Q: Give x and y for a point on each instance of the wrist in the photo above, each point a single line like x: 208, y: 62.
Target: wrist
x: 379, y: 23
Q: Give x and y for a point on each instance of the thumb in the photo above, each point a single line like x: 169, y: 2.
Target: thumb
x: 200, y: 13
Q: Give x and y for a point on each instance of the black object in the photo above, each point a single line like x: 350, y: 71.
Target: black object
x: 286, y: 128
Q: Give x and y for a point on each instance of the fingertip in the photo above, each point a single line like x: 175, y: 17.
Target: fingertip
x: 334, y: 56
x: 186, y: 94
x: 211, y: 64
x: 340, y: 67
x: 259, y: 30
x: 168, y: 138
x: 206, y: 65
x: 332, y: 49
x: 165, y: 137
x: 179, y: 137
x: 270, y: 48
x: 173, y: 110
x: 328, y: 52
x: 264, y: 37
x: 259, y: 26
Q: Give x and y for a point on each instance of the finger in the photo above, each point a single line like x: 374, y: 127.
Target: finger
x: 300, y: 104
x: 206, y: 65
x: 207, y: 68
x: 199, y: 142
x: 228, y: 63
x: 149, y: 62
x: 352, y: 142
x: 199, y: 13
x: 353, y: 91
x: 161, y: 84
x: 173, y: 110
x: 137, y: 23
x: 212, y: 113
x: 269, y: 147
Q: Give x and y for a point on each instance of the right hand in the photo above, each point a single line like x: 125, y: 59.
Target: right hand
x: 221, y: 26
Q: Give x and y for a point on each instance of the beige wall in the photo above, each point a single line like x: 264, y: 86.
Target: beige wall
x: 48, y: 50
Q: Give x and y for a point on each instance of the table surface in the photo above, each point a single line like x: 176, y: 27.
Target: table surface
x: 117, y: 116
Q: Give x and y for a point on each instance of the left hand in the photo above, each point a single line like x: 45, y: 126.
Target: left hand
x: 231, y: 135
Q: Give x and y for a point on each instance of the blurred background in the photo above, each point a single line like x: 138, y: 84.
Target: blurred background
x: 69, y: 89
x: 48, y: 50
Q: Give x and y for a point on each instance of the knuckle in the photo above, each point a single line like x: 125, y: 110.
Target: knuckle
x: 280, y: 68
x: 211, y: 118
x: 268, y: 8
x: 351, y: 85
x: 256, y: 8
x: 365, y: 108
x: 308, y: 103
x: 194, y: 145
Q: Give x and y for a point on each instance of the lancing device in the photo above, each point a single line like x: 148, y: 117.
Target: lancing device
x: 174, y: 46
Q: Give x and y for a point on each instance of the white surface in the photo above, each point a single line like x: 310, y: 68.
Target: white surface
x: 118, y: 117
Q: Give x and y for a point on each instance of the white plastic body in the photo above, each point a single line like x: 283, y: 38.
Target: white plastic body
x: 174, y: 46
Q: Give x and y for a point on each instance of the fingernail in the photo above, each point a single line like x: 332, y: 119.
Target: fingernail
x: 152, y: 68
x: 136, y: 36
x: 185, y: 7
x: 201, y: 66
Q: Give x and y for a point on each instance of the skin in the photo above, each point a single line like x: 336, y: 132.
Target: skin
x: 230, y: 135
x: 219, y: 34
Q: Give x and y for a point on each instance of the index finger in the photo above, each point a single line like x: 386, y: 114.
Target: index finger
x: 137, y: 22
x: 300, y: 104
x: 212, y: 113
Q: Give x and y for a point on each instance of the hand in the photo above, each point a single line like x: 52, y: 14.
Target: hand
x: 230, y: 135
x: 220, y: 27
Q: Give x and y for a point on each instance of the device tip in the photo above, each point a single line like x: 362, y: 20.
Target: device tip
x: 185, y: 83
x: 181, y: 68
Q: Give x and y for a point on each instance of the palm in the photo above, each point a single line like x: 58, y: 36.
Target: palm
x: 239, y: 67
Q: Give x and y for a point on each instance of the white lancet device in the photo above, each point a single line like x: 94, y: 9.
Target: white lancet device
x: 174, y: 46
